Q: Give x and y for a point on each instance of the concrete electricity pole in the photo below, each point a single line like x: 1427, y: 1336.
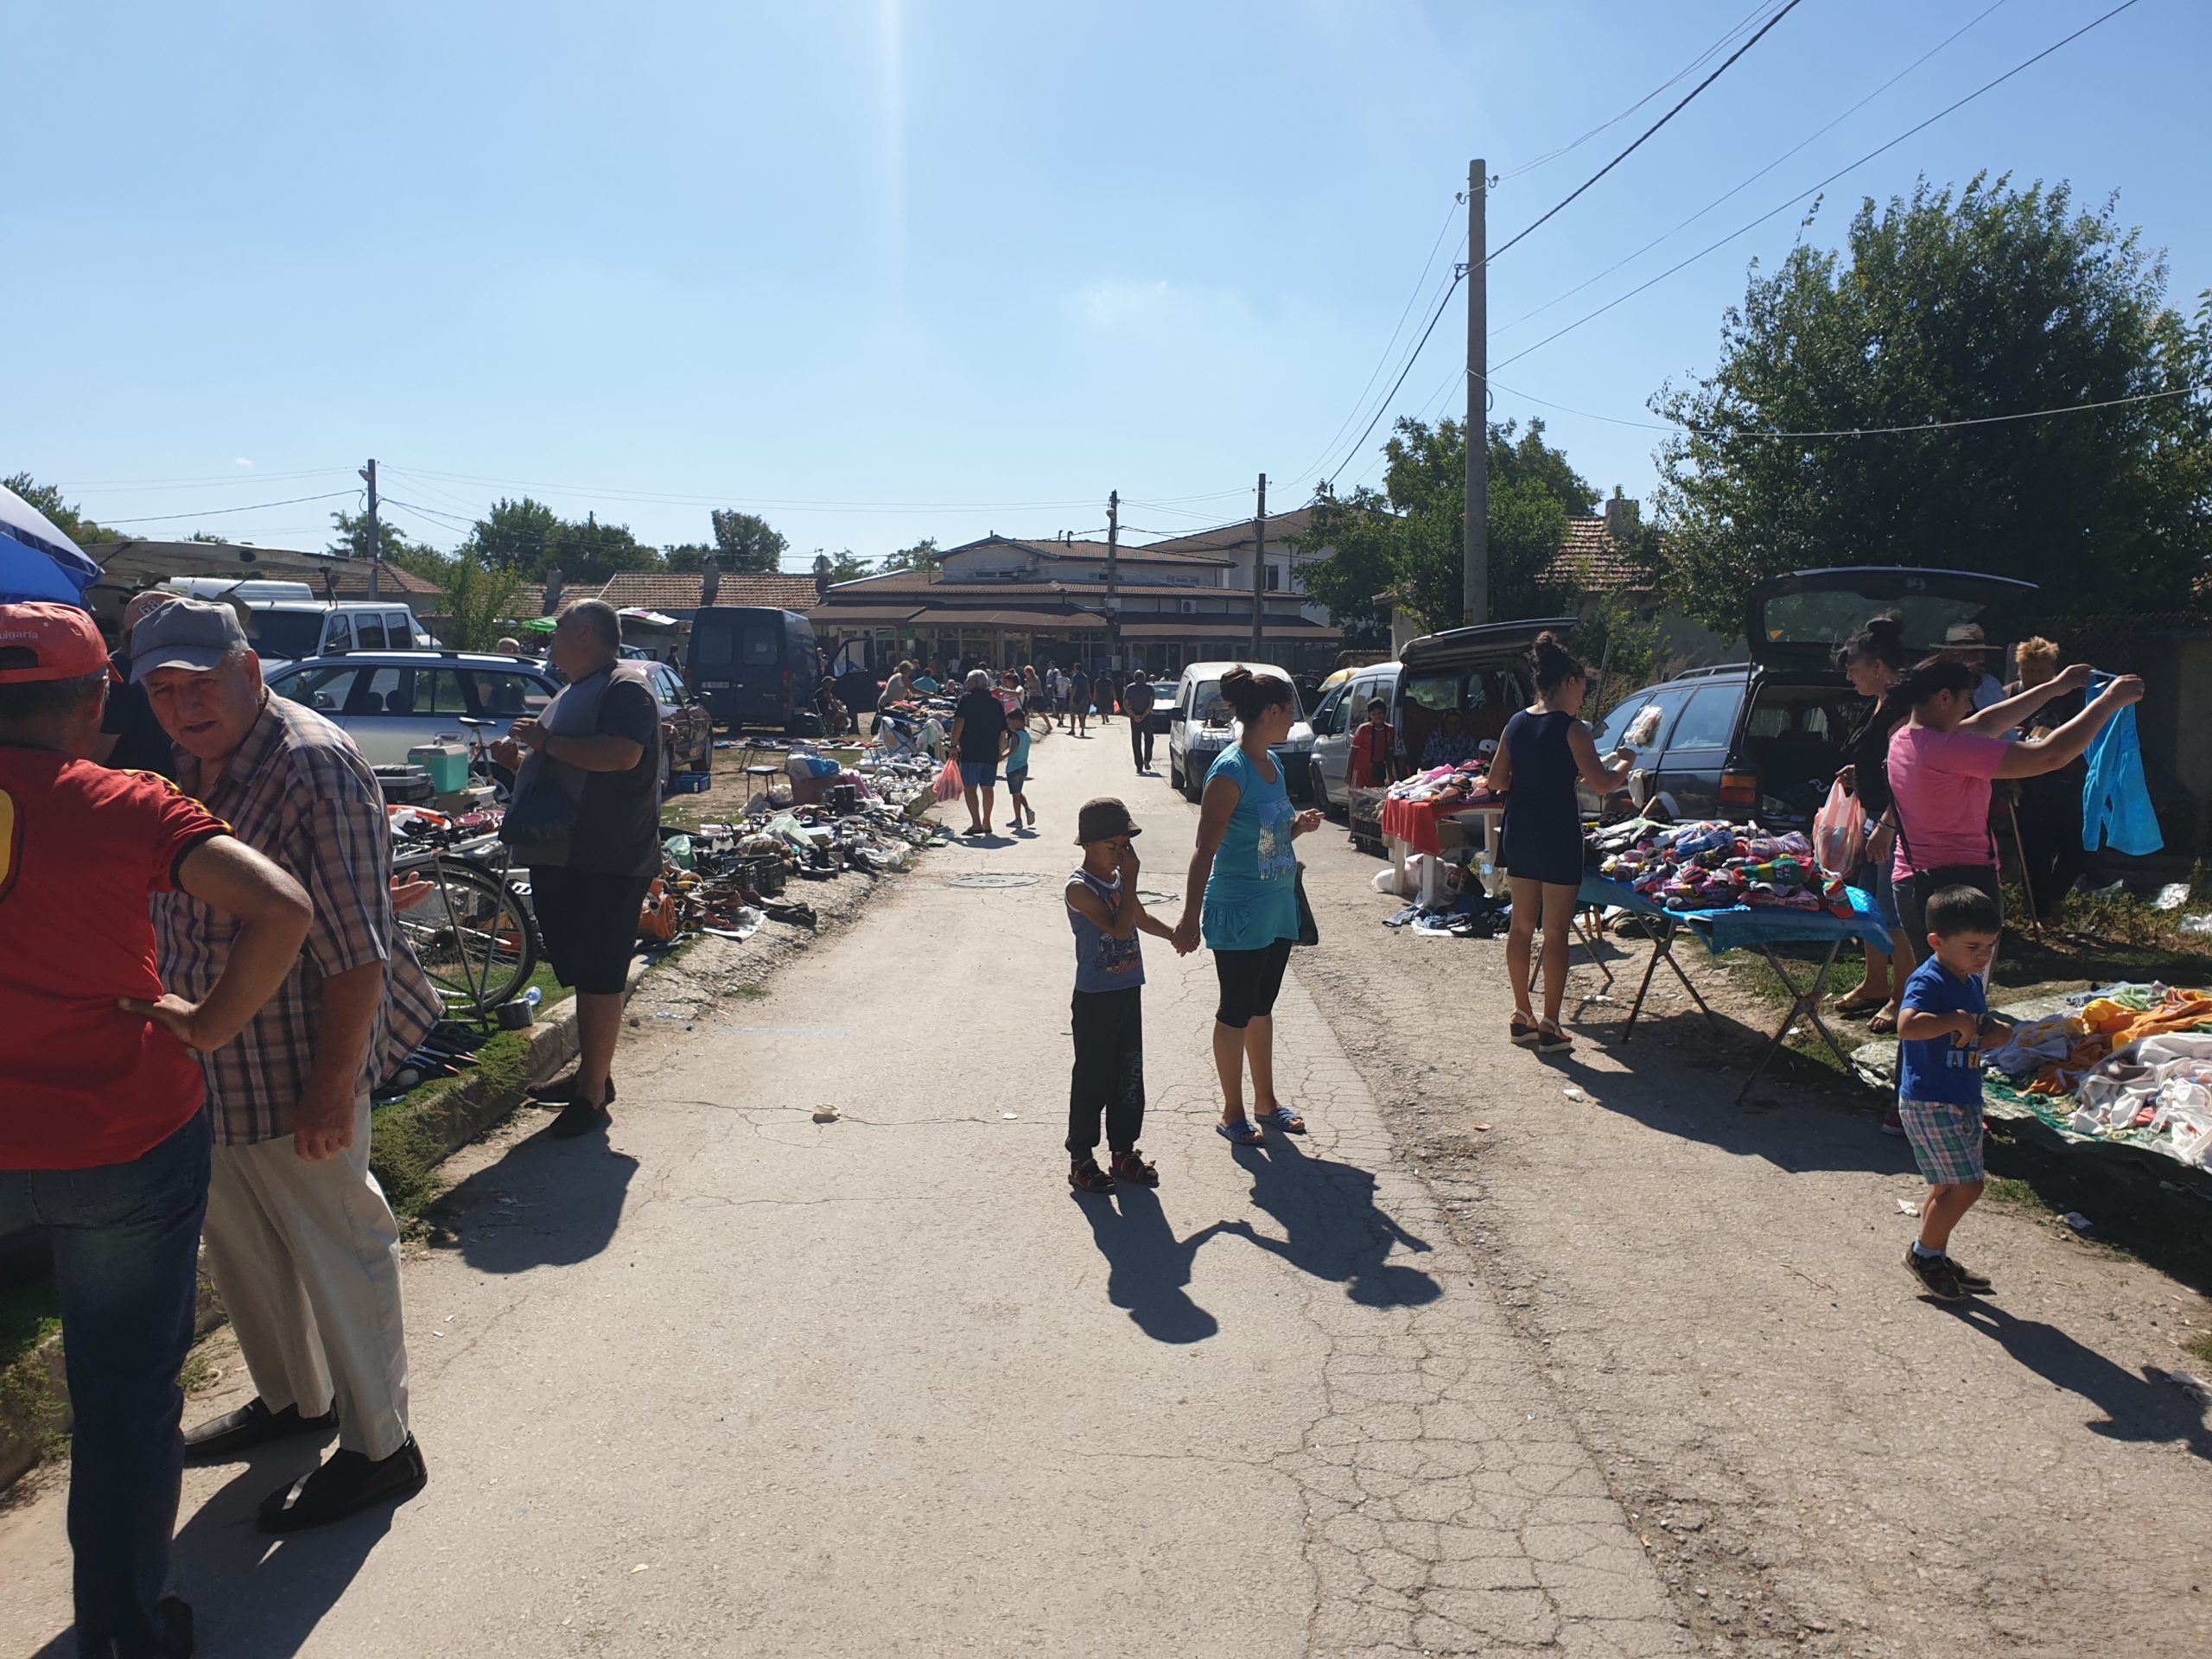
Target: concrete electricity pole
x: 1474, y: 576
x: 376, y: 536
x: 1113, y: 577
x: 1259, y: 571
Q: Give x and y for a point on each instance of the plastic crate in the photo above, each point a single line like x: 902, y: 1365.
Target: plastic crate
x: 690, y: 783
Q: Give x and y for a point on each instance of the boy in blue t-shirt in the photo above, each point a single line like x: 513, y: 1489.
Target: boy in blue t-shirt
x: 1944, y: 1021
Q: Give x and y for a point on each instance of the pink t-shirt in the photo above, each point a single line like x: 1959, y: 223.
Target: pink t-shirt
x: 1941, y: 780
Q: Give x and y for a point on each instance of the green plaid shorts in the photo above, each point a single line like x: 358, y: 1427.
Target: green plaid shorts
x: 1946, y: 1140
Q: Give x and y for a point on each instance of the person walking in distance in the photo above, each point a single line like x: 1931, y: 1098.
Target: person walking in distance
x: 597, y: 745
x: 1137, y: 704
x: 1242, y: 898
x: 1079, y: 700
x: 103, y: 1140
x: 302, y: 1245
x: 978, y: 722
x: 1106, y: 1017
x: 1545, y: 747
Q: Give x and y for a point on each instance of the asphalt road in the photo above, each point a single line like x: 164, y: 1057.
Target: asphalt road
x: 731, y: 1381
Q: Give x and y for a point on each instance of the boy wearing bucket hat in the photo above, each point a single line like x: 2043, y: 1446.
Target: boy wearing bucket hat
x: 103, y: 1140
x: 1107, y: 1015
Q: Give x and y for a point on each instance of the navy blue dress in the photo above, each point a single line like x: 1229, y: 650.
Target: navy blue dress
x: 1543, y: 824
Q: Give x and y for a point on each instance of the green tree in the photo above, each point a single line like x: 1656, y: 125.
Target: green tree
x: 1404, y: 545
x: 511, y: 535
x: 922, y: 555
x: 845, y: 565
x: 686, y: 558
x: 479, y: 602
x: 350, y: 541
x: 64, y: 517
x: 591, y: 552
x: 746, y: 543
x: 1949, y: 308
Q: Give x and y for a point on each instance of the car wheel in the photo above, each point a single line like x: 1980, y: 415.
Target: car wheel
x: 1321, y: 792
x: 1174, y: 775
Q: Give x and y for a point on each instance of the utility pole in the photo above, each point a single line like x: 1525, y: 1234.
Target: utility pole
x: 1113, y: 577
x: 1259, y: 571
x: 376, y: 536
x: 1474, y: 575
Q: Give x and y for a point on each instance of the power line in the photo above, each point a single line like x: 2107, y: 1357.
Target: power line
x: 1814, y: 190
x: 1860, y: 431
x: 1402, y: 373
x: 140, y: 486
x: 1689, y: 68
x: 1654, y: 127
x: 1562, y: 297
x: 212, y: 512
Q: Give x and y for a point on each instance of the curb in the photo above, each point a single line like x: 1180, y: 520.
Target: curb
x: 34, y: 1391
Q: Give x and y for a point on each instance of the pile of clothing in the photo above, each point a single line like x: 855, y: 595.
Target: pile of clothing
x: 2134, y: 1061
x: 1712, y: 866
x: 1465, y: 785
x: 2111, y: 1022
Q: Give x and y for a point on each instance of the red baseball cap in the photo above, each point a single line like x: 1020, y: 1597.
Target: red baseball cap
x: 44, y: 641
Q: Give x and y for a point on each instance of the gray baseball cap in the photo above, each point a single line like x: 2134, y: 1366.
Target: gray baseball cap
x: 194, y: 634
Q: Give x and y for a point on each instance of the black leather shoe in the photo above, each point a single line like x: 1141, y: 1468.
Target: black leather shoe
x: 252, y: 1424
x: 345, y: 1484
x: 578, y: 1117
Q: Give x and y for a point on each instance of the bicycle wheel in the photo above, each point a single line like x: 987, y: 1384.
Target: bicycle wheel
x: 472, y: 936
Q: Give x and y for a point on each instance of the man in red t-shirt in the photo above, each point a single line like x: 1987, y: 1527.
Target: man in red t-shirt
x: 103, y: 1141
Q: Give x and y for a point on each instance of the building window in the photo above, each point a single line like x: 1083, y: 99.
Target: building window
x: 1274, y: 577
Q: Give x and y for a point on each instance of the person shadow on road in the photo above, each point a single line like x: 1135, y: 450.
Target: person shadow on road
x: 1147, y: 1267
x: 2144, y: 1408
x: 1334, y: 1230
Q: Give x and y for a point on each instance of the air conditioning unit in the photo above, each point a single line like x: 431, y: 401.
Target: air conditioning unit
x: 1190, y: 606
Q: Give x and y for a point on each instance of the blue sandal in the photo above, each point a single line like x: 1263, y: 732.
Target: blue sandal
x: 1243, y: 1132
x: 1281, y: 1117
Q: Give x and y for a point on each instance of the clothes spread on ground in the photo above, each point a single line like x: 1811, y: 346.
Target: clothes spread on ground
x: 2116, y: 802
x: 2130, y: 1063
x: 1712, y: 866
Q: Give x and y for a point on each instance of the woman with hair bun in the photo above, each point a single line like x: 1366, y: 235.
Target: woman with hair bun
x: 1874, y: 660
x: 1243, y: 898
x: 1545, y: 747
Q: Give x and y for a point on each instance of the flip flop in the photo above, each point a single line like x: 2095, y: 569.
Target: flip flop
x: 1242, y: 1133
x: 1281, y: 1117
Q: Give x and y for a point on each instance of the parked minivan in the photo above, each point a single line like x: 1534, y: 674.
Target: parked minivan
x: 1482, y: 673
x: 291, y: 624
x: 1765, y: 739
x: 1200, y: 726
x: 756, y: 666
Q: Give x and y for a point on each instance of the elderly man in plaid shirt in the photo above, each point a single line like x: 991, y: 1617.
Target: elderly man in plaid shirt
x: 302, y: 1245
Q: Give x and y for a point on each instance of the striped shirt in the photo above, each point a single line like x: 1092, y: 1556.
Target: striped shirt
x: 298, y: 791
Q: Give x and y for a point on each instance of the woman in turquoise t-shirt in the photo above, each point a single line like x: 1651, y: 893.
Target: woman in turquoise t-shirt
x: 1243, y: 899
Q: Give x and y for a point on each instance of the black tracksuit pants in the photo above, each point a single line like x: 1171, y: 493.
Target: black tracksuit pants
x: 1109, y: 1075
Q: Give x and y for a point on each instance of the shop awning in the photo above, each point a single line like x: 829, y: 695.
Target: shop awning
x: 1226, y: 627
x: 860, y: 616
x: 944, y: 616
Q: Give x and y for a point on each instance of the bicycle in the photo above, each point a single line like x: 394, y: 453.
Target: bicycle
x: 474, y: 933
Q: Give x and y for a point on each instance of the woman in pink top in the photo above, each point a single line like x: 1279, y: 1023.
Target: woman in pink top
x: 1942, y: 760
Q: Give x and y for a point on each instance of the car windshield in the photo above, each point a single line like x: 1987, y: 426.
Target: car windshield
x: 290, y: 634
x: 1213, y: 708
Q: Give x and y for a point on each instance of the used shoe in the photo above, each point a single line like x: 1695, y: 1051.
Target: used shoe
x: 1891, y: 1123
x: 252, y: 1424
x: 1087, y: 1177
x: 1130, y: 1167
x: 345, y: 1484
x: 578, y: 1117
x: 1936, y: 1274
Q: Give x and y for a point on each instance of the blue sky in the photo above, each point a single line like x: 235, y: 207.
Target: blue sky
x: 884, y: 269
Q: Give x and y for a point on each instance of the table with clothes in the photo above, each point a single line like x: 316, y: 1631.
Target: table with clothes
x: 1416, y: 805
x: 1735, y: 888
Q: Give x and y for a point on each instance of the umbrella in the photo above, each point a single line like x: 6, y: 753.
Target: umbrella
x: 540, y: 625
x: 36, y: 560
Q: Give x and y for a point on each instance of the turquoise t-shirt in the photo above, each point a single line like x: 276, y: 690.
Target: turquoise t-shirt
x: 1017, y: 754
x: 1251, y: 897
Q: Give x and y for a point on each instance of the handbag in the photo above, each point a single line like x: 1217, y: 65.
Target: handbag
x: 1309, y: 931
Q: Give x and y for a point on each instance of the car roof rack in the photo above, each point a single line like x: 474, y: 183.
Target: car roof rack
x: 1713, y: 672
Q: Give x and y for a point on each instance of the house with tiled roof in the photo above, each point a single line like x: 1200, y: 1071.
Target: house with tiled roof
x: 1598, y: 555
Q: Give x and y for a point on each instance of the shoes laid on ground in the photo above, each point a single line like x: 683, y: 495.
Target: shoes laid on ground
x: 252, y: 1424
x: 345, y: 1484
x: 1130, y: 1167
x: 1087, y: 1177
x: 579, y: 1117
x: 1938, y: 1276
x: 1891, y: 1123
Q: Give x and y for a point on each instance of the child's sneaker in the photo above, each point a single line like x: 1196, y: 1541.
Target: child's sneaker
x: 1974, y: 1284
x: 1087, y: 1177
x: 1130, y: 1167
x: 1938, y: 1274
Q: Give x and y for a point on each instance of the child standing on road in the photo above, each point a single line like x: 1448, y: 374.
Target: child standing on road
x: 1107, y: 1016
x: 1016, y: 756
x: 1944, y: 1021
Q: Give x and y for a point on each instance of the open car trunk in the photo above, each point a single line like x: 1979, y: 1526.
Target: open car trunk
x: 1483, y: 672
x: 1793, y: 742
x: 1793, y: 623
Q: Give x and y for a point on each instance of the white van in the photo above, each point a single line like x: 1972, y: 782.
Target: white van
x: 1200, y: 726
x: 290, y: 625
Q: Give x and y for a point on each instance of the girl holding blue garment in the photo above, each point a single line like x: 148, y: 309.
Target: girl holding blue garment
x: 1243, y: 899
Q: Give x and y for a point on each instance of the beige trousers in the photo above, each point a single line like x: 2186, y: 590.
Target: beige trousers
x: 306, y: 1257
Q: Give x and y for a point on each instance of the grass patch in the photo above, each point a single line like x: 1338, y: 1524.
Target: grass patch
x: 746, y: 993
x: 2199, y: 1347
x: 2008, y: 1193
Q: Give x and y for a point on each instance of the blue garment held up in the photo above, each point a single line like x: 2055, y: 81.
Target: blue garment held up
x: 2116, y: 802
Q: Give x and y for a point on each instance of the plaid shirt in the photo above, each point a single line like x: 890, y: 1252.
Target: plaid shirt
x: 298, y: 791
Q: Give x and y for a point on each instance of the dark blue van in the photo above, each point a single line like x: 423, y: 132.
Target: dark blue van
x: 757, y: 667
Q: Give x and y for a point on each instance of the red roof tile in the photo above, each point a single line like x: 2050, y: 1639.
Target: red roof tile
x: 1591, y: 561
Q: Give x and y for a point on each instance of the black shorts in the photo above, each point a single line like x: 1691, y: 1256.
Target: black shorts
x: 1915, y: 891
x: 1250, y: 982
x: 590, y: 923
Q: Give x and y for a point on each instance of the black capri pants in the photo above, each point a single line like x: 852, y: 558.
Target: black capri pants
x: 1250, y: 982
x: 590, y: 923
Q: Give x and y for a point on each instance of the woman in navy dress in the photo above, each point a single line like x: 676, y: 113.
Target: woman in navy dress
x: 1545, y: 747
